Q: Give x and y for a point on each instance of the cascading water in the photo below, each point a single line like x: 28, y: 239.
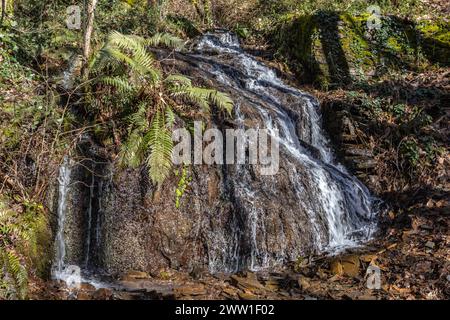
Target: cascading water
x: 332, y: 198
x: 248, y: 221
x: 64, y: 179
x: 68, y: 267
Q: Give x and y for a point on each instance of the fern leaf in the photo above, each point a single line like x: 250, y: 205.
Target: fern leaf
x: 221, y: 100
x: 170, y: 117
x: 165, y: 39
x: 178, y: 81
x: 133, y: 150
x: 121, y: 84
x: 160, y: 142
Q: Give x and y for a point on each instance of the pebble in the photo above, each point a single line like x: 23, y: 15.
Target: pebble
x: 429, y: 244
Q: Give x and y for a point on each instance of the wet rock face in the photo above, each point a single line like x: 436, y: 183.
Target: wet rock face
x: 231, y: 217
x: 75, y: 223
x: 143, y: 230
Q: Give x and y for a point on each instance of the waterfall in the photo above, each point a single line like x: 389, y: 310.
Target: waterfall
x: 332, y: 198
x: 58, y: 270
x: 313, y: 205
x: 63, y: 268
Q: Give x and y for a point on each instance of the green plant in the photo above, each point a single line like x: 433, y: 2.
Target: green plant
x: 410, y: 151
x: 155, y: 100
x: 20, y: 235
x: 183, y: 183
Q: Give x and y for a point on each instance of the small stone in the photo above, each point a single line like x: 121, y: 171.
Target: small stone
x: 131, y: 286
x: 272, y: 284
x: 448, y: 277
x: 430, y: 244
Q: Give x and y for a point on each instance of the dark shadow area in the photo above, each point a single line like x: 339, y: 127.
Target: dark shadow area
x: 329, y: 49
x: 338, y: 68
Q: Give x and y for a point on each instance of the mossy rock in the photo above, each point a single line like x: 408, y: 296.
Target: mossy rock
x: 435, y: 39
x: 334, y: 49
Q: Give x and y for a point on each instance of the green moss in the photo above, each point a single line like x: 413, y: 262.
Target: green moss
x: 331, y: 47
x: 435, y: 38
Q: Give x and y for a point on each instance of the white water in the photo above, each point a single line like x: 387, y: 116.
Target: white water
x: 338, y: 199
x: 338, y: 206
x: 59, y: 270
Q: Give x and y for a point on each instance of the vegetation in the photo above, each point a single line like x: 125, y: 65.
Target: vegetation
x: 24, y: 236
x: 391, y: 84
x: 126, y: 65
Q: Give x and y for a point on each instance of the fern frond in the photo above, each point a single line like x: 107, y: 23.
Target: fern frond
x: 178, y: 81
x: 160, y: 142
x: 221, y: 100
x: 120, y: 83
x: 170, y: 117
x: 199, y: 96
x: 141, y: 60
x: 133, y: 150
x: 18, y: 273
x: 165, y: 39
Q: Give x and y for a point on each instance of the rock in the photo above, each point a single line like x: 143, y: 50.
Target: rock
x: 84, y: 296
x: 103, y: 294
x: 272, y: 284
x: 368, y: 258
x: 197, y: 272
x: 135, y: 275
x: 160, y: 291
x: 131, y: 286
x: 430, y: 244
x: 87, y: 287
x: 229, y: 293
x: 247, y: 296
x: 191, y: 290
x: 347, y: 265
x: 124, y: 296
x: 246, y: 283
x: 423, y: 267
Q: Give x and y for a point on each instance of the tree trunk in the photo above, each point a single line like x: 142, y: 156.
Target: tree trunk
x: 3, y: 11
x: 88, y: 28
